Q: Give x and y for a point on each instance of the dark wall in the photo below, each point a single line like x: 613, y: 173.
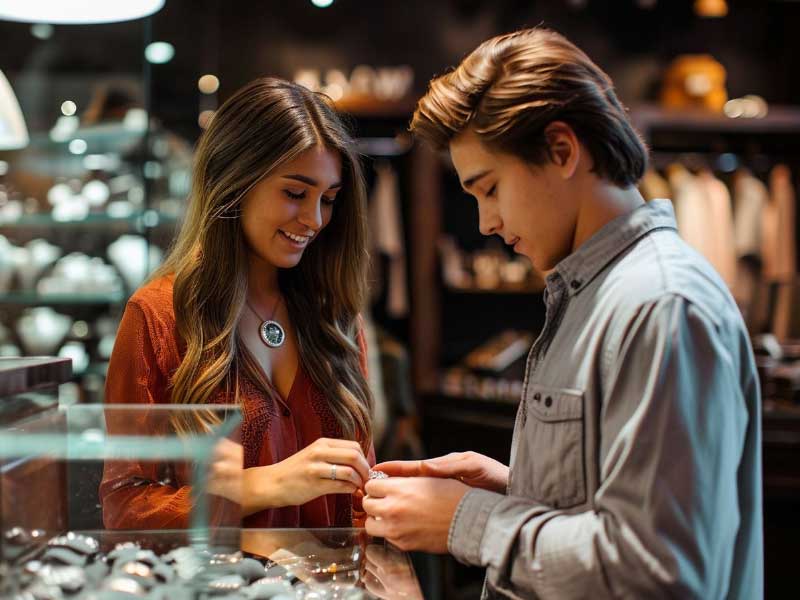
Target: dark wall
x: 240, y: 40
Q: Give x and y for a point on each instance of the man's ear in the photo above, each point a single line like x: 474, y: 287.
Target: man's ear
x: 563, y: 147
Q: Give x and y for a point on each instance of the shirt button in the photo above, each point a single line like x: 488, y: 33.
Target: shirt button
x: 548, y: 402
x: 537, y: 396
x: 575, y: 284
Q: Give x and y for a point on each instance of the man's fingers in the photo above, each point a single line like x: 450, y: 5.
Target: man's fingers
x: 372, y: 506
x: 375, y: 528
x: 400, y: 468
x: 380, y: 488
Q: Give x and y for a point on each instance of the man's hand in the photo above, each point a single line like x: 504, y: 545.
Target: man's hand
x: 473, y: 469
x: 413, y: 513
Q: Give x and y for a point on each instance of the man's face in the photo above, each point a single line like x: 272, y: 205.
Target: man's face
x: 531, y: 207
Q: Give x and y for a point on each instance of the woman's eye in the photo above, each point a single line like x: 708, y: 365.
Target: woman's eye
x: 329, y: 200
x: 295, y: 195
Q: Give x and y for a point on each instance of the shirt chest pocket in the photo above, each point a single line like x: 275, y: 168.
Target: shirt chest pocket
x: 550, y: 461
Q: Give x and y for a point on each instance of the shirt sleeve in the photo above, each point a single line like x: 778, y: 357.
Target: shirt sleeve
x: 135, y: 495
x: 666, y: 514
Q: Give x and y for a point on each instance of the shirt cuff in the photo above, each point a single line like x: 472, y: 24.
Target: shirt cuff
x: 469, y: 523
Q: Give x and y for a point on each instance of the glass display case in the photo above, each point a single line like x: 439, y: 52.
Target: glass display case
x: 77, y: 485
x: 90, y: 197
x: 284, y: 564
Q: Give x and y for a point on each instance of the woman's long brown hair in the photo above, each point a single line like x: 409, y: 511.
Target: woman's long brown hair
x: 265, y: 124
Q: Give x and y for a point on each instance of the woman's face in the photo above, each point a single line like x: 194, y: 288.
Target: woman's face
x: 286, y: 211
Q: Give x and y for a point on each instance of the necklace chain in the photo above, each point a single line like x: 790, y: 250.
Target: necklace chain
x: 274, y: 309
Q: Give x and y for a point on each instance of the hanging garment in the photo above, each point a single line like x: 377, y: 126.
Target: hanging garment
x: 750, y: 196
x: 719, y: 227
x: 380, y: 410
x: 780, y: 265
x: 779, y: 246
x: 386, y: 224
x: 692, y: 209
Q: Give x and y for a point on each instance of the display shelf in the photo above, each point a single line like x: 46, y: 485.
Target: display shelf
x: 780, y: 119
x: 36, y: 299
x: 137, y: 221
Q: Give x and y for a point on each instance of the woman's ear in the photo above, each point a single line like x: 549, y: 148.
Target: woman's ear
x: 563, y: 147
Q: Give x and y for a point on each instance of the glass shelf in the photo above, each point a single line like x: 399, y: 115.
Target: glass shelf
x: 34, y: 298
x: 138, y: 220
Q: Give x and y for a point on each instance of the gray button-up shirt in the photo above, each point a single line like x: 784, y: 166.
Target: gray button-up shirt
x: 636, y: 457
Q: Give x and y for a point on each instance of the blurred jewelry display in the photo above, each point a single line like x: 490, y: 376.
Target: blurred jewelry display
x: 461, y: 382
x: 40, y: 255
x: 73, y: 565
x: 490, y: 269
x: 41, y: 330
x: 134, y: 259
x: 78, y: 273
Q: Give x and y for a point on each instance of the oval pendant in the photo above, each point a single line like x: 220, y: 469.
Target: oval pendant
x: 272, y: 334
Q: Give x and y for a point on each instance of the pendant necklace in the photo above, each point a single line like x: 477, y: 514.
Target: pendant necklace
x: 270, y: 331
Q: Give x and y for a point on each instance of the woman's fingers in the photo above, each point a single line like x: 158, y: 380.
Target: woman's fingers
x: 337, y: 487
x: 343, y: 473
x: 348, y: 457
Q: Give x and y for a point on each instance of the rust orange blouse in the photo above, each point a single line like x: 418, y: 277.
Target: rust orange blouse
x: 146, y: 354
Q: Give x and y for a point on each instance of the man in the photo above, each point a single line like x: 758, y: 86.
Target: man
x: 635, y: 462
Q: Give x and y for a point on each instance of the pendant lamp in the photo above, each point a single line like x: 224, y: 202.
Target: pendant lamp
x: 13, y: 133
x: 77, y: 12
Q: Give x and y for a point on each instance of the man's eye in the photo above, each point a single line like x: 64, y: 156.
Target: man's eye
x: 293, y: 195
x: 492, y: 190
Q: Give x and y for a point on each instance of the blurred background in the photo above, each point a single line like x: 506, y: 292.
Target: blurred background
x: 98, y: 122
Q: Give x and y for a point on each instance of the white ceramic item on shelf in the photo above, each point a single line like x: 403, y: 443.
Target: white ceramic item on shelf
x: 106, y: 346
x: 130, y: 255
x: 77, y: 352
x: 96, y: 192
x: 77, y: 273
x: 60, y: 192
x: 11, y: 211
x: 75, y: 208
x: 7, y: 266
x: 9, y: 351
x: 41, y: 330
x: 41, y: 255
x: 119, y: 209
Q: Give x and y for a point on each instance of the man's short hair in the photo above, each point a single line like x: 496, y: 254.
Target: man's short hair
x: 512, y: 86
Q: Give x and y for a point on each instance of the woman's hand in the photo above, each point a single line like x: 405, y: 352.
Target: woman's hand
x: 226, y: 471
x: 473, y: 469
x: 306, y: 475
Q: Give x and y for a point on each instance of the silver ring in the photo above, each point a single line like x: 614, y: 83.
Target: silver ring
x: 333, y: 472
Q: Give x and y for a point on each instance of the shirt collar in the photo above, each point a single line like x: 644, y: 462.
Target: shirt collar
x: 583, y: 265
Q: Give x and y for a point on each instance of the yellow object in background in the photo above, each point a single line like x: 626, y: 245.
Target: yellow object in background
x: 695, y: 81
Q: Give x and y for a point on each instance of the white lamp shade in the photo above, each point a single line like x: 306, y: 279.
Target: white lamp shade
x: 13, y: 133
x: 66, y: 12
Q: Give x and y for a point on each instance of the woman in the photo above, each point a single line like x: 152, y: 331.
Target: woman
x: 258, y: 304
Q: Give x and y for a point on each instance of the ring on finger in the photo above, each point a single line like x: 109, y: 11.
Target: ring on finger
x: 333, y: 472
